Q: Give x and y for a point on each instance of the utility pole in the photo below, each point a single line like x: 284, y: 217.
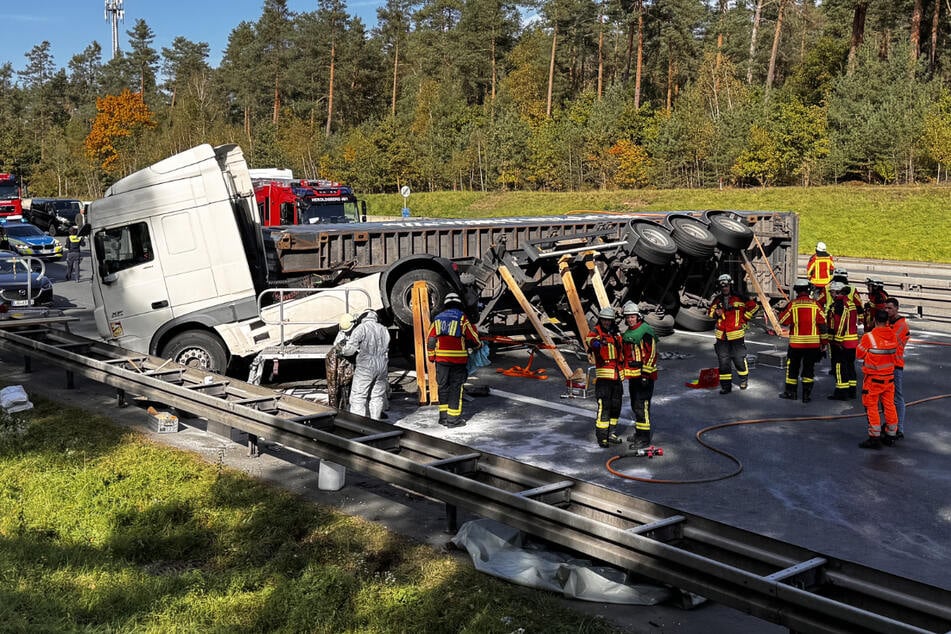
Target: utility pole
x: 114, y: 13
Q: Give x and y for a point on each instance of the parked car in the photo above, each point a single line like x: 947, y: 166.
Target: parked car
x: 19, y: 285
x: 27, y: 239
x: 55, y: 215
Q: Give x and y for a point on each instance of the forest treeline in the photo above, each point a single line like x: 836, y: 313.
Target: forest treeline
x: 488, y: 95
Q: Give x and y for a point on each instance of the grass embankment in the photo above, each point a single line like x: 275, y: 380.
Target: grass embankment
x: 892, y: 223
x: 103, y: 530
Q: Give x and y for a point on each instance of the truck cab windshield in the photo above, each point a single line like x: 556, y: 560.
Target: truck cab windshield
x: 324, y: 212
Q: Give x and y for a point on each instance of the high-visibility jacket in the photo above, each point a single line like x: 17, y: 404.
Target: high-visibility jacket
x: 875, y: 303
x: 819, y: 269
x: 843, y: 322
x: 640, y: 353
x: 737, y: 311
x: 807, y: 324
x: 827, y: 297
x: 879, y: 352
x: 902, y: 335
x: 607, y: 347
x: 450, y: 334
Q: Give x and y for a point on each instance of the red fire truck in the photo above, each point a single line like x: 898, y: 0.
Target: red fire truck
x: 10, y: 202
x: 302, y: 202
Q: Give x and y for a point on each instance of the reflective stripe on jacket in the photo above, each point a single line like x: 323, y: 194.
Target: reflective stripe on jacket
x: 844, y: 321
x: 608, y: 353
x: 878, y: 350
x: 450, y: 335
x: 640, y: 353
x: 819, y: 269
x: 807, y: 325
x: 737, y: 311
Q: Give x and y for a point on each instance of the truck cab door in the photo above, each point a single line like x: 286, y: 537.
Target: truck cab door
x: 133, y: 299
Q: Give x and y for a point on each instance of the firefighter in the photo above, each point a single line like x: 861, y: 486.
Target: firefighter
x: 844, y: 338
x: 879, y: 352
x: 876, y: 301
x: 820, y: 266
x: 807, y: 338
x: 339, y: 369
x: 74, y: 254
x: 605, y: 343
x: 370, y: 342
x: 900, y: 326
x: 450, y: 336
x: 640, y: 370
x: 826, y: 298
x: 732, y: 312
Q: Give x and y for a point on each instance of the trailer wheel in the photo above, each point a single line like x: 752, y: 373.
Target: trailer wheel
x: 401, y: 294
x: 654, y: 244
x: 692, y: 236
x: 730, y: 232
x: 694, y: 319
x: 197, y: 349
x: 663, y: 325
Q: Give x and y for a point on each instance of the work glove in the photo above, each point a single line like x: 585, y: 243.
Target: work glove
x: 596, y: 344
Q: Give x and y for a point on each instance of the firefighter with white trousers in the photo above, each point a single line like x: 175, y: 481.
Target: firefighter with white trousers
x: 370, y: 341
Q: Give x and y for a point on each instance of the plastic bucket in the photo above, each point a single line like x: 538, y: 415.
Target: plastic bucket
x: 331, y: 476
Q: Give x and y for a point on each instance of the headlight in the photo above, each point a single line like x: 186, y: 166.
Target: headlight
x: 57, y: 243
x: 24, y: 249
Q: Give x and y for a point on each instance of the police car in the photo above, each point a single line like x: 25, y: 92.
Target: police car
x: 27, y: 239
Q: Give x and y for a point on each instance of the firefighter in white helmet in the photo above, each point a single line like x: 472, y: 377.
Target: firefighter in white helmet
x: 640, y: 370
x: 732, y: 311
x: 604, y: 342
x: 820, y: 267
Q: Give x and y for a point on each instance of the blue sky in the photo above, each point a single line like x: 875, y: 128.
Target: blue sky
x: 71, y: 25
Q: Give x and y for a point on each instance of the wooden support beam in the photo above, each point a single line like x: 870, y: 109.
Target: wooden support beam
x: 597, y: 281
x: 427, y: 388
x: 532, y: 315
x: 763, y: 299
x: 574, y: 301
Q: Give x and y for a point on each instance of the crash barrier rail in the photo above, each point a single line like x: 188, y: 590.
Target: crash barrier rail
x: 776, y: 581
x: 922, y: 288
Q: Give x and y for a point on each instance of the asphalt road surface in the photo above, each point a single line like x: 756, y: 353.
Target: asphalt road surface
x: 803, y: 481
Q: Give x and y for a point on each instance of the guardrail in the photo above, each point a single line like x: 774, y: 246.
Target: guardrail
x: 773, y: 580
x: 922, y: 288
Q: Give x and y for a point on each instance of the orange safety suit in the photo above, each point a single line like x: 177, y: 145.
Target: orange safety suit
x: 879, y: 352
x: 819, y: 269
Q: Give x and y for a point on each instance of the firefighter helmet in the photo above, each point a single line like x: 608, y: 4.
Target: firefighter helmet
x: 452, y: 298
x: 346, y: 322
x: 836, y: 286
x: 725, y: 279
x: 840, y: 273
x: 606, y: 313
x: 801, y: 284
x: 875, y: 283
x: 821, y: 246
x: 630, y: 308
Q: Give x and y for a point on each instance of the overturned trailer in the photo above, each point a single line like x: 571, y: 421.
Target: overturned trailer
x: 665, y: 261
x: 183, y: 268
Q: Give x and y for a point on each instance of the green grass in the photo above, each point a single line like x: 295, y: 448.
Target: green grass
x: 102, y: 531
x: 900, y: 223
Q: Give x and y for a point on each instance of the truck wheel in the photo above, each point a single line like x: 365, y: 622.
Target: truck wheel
x: 663, y: 325
x: 692, y: 236
x: 694, y: 319
x: 731, y: 233
x: 197, y: 349
x: 654, y: 244
x: 401, y: 294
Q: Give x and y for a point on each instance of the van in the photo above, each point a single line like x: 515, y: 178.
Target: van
x: 54, y: 215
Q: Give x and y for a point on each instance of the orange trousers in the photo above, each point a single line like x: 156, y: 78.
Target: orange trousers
x: 877, y: 390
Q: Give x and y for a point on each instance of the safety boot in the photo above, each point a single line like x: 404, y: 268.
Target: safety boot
x: 851, y: 393
x: 614, y: 439
x: 839, y: 394
x: 872, y: 442
x: 726, y: 387
x: 806, y: 393
x: 744, y: 383
x: 789, y: 393
x: 443, y: 418
x: 640, y: 439
x: 602, y: 436
x: 888, y: 441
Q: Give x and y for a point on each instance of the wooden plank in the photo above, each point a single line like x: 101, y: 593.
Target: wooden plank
x: 573, y: 300
x: 596, y: 280
x: 763, y: 299
x: 550, y: 347
x: 419, y: 342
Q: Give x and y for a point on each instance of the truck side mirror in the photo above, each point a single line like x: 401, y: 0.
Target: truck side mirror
x: 85, y: 230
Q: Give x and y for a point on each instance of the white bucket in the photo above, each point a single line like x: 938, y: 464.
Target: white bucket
x: 331, y: 476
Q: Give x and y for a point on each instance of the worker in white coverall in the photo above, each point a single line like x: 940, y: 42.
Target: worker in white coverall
x: 370, y: 341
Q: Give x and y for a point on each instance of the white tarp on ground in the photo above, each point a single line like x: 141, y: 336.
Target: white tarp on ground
x: 507, y: 553
x: 14, y: 399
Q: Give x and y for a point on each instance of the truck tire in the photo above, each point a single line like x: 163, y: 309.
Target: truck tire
x: 694, y: 319
x: 402, y: 292
x: 197, y: 349
x: 663, y: 325
x: 692, y: 236
x: 654, y: 244
x: 731, y: 233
